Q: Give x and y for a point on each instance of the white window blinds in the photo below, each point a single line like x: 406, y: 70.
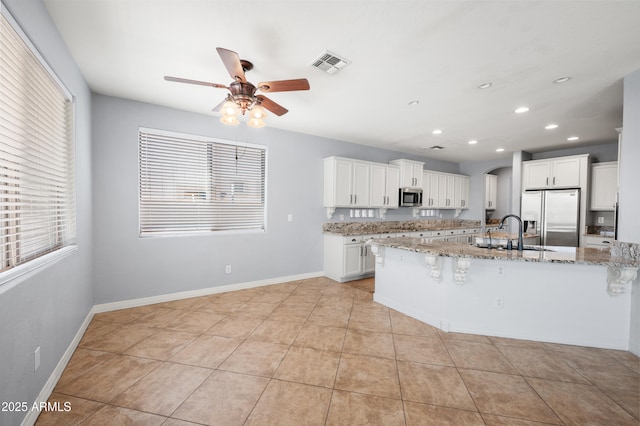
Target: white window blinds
x: 193, y: 184
x: 37, y: 191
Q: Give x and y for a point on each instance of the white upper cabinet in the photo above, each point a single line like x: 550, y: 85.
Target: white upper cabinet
x: 461, y: 192
x: 562, y: 172
x: 410, y: 173
x: 604, y: 186
x: 429, y: 189
x: 356, y: 184
x: 346, y: 182
x: 444, y: 191
x: 385, y: 183
x: 490, y: 191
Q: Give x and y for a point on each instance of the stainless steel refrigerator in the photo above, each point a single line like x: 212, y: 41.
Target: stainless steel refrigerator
x: 552, y: 215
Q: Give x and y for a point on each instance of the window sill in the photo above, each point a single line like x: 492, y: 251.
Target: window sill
x: 9, y: 276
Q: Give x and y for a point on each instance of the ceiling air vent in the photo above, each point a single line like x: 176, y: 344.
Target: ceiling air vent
x: 330, y: 62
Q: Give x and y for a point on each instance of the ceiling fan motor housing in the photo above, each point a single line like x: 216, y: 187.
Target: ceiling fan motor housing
x: 243, y: 94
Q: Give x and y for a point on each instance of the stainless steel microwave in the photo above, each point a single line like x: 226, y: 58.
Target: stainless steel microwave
x: 410, y: 197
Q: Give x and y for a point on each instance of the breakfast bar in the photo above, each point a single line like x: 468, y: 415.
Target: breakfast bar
x: 566, y: 295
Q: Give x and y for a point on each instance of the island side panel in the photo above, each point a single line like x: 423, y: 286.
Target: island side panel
x: 403, y: 283
x: 551, y: 302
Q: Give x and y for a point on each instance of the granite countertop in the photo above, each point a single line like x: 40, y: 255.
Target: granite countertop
x: 572, y: 255
x: 388, y: 227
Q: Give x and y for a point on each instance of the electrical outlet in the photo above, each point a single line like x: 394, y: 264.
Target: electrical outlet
x: 289, y: 217
x: 500, y: 270
x: 227, y: 269
x: 341, y: 216
x: 600, y: 219
x: 498, y: 303
x: 36, y: 357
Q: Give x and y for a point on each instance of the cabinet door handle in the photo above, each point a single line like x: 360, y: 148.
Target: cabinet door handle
x: 355, y: 199
x: 547, y: 182
x: 554, y: 180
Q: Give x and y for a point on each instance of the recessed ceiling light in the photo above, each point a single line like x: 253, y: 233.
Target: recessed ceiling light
x: 573, y: 138
x: 499, y: 149
x: 551, y: 126
x: 562, y: 79
x: 437, y: 132
x: 485, y: 85
x: 412, y: 103
x: 473, y: 142
x: 521, y: 109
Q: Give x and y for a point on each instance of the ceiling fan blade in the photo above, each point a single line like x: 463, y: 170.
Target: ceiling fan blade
x: 231, y: 61
x: 271, y: 106
x: 284, y: 85
x: 201, y: 83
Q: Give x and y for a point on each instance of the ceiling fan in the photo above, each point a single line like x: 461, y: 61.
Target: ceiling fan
x: 242, y: 94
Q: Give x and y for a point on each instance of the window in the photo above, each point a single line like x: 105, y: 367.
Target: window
x: 191, y: 184
x: 37, y: 187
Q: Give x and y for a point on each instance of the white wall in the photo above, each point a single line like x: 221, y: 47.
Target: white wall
x: 128, y: 267
x: 629, y: 202
x: 47, y: 308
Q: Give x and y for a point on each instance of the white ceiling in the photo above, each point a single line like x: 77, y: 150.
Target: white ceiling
x: 437, y: 52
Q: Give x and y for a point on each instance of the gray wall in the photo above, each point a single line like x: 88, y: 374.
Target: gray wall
x: 128, y: 267
x: 629, y: 227
x: 476, y: 170
x: 599, y: 153
x: 46, y: 308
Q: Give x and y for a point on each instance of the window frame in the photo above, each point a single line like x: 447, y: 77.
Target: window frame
x: 68, y: 245
x: 209, y: 141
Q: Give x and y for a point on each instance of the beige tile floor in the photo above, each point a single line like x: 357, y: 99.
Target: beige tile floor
x: 317, y: 352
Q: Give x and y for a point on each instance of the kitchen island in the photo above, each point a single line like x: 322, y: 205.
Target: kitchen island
x: 555, y: 294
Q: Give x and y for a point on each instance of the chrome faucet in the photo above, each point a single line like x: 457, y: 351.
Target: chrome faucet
x: 520, y: 239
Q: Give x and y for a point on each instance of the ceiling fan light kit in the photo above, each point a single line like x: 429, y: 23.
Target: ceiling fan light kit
x: 242, y: 94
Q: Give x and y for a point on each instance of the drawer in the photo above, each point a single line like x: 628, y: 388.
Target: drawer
x: 403, y: 234
x: 468, y: 231
x: 355, y: 239
x: 421, y: 234
x: 598, y: 242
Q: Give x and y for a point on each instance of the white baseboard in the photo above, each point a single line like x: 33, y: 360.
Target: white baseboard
x: 45, y: 392
x: 132, y: 303
x: 48, y: 387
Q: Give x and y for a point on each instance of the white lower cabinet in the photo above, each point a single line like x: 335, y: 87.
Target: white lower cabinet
x: 348, y: 258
